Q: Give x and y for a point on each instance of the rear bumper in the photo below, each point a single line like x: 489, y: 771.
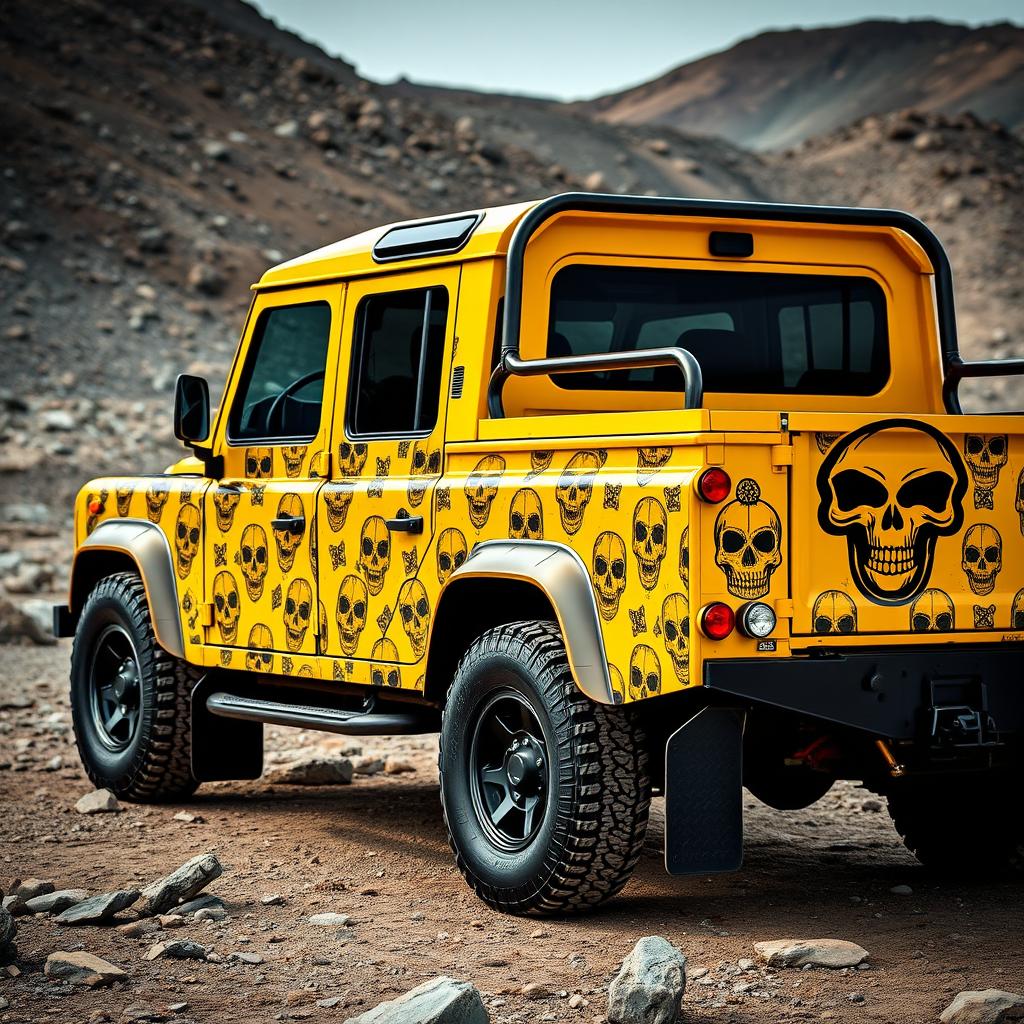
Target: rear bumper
x: 891, y: 692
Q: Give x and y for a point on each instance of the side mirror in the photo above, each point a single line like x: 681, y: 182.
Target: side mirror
x: 191, y: 408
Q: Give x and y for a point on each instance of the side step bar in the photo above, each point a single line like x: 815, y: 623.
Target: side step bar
x: 349, y: 723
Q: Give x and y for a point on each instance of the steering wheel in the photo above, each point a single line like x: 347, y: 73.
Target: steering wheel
x: 296, y: 385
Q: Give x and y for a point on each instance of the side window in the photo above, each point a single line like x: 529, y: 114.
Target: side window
x: 399, y: 352
x: 282, y: 385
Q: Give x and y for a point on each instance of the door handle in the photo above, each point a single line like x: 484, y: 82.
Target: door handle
x: 409, y: 524
x: 288, y: 523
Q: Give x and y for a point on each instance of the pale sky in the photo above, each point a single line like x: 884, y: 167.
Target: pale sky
x: 572, y: 49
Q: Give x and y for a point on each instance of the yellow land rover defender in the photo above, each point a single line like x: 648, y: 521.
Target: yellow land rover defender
x: 620, y: 495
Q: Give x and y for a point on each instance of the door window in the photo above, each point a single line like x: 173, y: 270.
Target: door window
x: 281, y: 390
x: 396, y: 383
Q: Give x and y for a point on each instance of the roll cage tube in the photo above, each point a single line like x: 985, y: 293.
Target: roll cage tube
x: 510, y: 363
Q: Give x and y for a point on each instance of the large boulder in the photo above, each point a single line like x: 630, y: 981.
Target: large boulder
x: 180, y: 885
x: 650, y: 984
x: 989, y: 1006
x: 312, y: 770
x: 99, y: 801
x: 55, y: 902
x: 8, y: 929
x: 832, y: 953
x: 439, y: 1001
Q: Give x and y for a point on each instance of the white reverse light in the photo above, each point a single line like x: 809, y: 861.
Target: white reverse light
x: 756, y: 619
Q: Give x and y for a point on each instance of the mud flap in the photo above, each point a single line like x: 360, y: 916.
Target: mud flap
x: 704, y: 794
x: 223, y: 749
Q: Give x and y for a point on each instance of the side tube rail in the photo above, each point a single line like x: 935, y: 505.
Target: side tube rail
x: 958, y: 369
x: 693, y: 384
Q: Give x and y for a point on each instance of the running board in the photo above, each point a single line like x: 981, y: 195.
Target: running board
x: 349, y: 723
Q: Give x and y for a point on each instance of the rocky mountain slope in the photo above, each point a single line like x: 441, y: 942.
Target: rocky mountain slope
x: 154, y: 164
x: 779, y: 88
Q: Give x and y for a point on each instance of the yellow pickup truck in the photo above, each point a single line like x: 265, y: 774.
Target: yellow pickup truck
x: 622, y: 496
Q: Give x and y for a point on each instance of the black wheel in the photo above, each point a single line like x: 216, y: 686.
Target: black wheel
x: 929, y: 816
x: 130, y: 698
x: 545, y: 793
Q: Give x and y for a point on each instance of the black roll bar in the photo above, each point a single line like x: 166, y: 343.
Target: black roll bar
x: 510, y: 363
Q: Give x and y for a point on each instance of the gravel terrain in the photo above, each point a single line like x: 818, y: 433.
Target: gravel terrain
x: 375, y: 851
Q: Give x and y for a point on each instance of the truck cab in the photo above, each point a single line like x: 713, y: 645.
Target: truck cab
x: 620, y: 495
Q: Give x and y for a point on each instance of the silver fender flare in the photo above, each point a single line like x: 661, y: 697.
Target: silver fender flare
x: 146, y: 545
x: 561, y: 575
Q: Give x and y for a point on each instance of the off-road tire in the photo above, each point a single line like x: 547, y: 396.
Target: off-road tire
x: 157, y: 764
x: 598, y: 801
x: 930, y: 816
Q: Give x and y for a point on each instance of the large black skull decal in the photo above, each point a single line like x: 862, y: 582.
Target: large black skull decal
x: 892, y: 489
x: 748, y: 542
x: 933, y: 612
x: 351, y: 458
x: 982, y: 557
x: 834, y: 612
x: 986, y: 455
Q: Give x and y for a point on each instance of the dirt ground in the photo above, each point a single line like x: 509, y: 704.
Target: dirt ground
x: 376, y: 850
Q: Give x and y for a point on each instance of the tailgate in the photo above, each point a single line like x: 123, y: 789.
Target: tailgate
x: 911, y: 526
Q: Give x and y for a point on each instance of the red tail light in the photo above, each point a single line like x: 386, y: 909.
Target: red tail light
x: 714, y: 485
x: 717, y: 621
x: 95, y: 507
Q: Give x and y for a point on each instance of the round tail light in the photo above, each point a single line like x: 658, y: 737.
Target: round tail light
x: 95, y: 507
x: 714, y: 485
x: 717, y: 621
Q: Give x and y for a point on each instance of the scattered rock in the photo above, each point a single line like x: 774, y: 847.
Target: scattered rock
x: 398, y: 766
x: 177, y: 949
x: 272, y: 900
x: 247, y: 958
x: 139, y: 929
x: 902, y: 890
x: 171, y: 921
x: 330, y: 920
x: 100, y: 908
x: 8, y: 929
x: 81, y: 968
x: 368, y: 765
x: 287, y: 130
x: 535, y: 990
x: 180, y: 885
x: 210, y: 914
x: 206, y: 279
x: 439, y: 1001
x: 832, y: 953
x: 55, y: 902
x: 31, y: 888
x: 989, y: 1006
x: 17, y: 626
x: 650, y: 984
x: 189, y: 818
x: 205, y: 902
x: 99, y: 801
x: 314, y: 770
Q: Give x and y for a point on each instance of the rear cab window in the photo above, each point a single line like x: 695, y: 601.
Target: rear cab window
x: 751, y: 332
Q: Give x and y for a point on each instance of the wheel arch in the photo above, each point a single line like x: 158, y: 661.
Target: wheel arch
x: 132, y: 545
x: 504, y: 581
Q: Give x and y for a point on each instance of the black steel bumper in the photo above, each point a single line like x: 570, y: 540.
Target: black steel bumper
x: 890, y: 693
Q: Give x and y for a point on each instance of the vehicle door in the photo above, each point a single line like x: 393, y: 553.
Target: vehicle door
x: 274, y: 434
x: 377, y: 518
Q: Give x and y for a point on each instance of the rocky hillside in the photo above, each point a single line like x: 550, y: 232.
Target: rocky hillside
x: 779, y: 88
x: 154, y: 164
